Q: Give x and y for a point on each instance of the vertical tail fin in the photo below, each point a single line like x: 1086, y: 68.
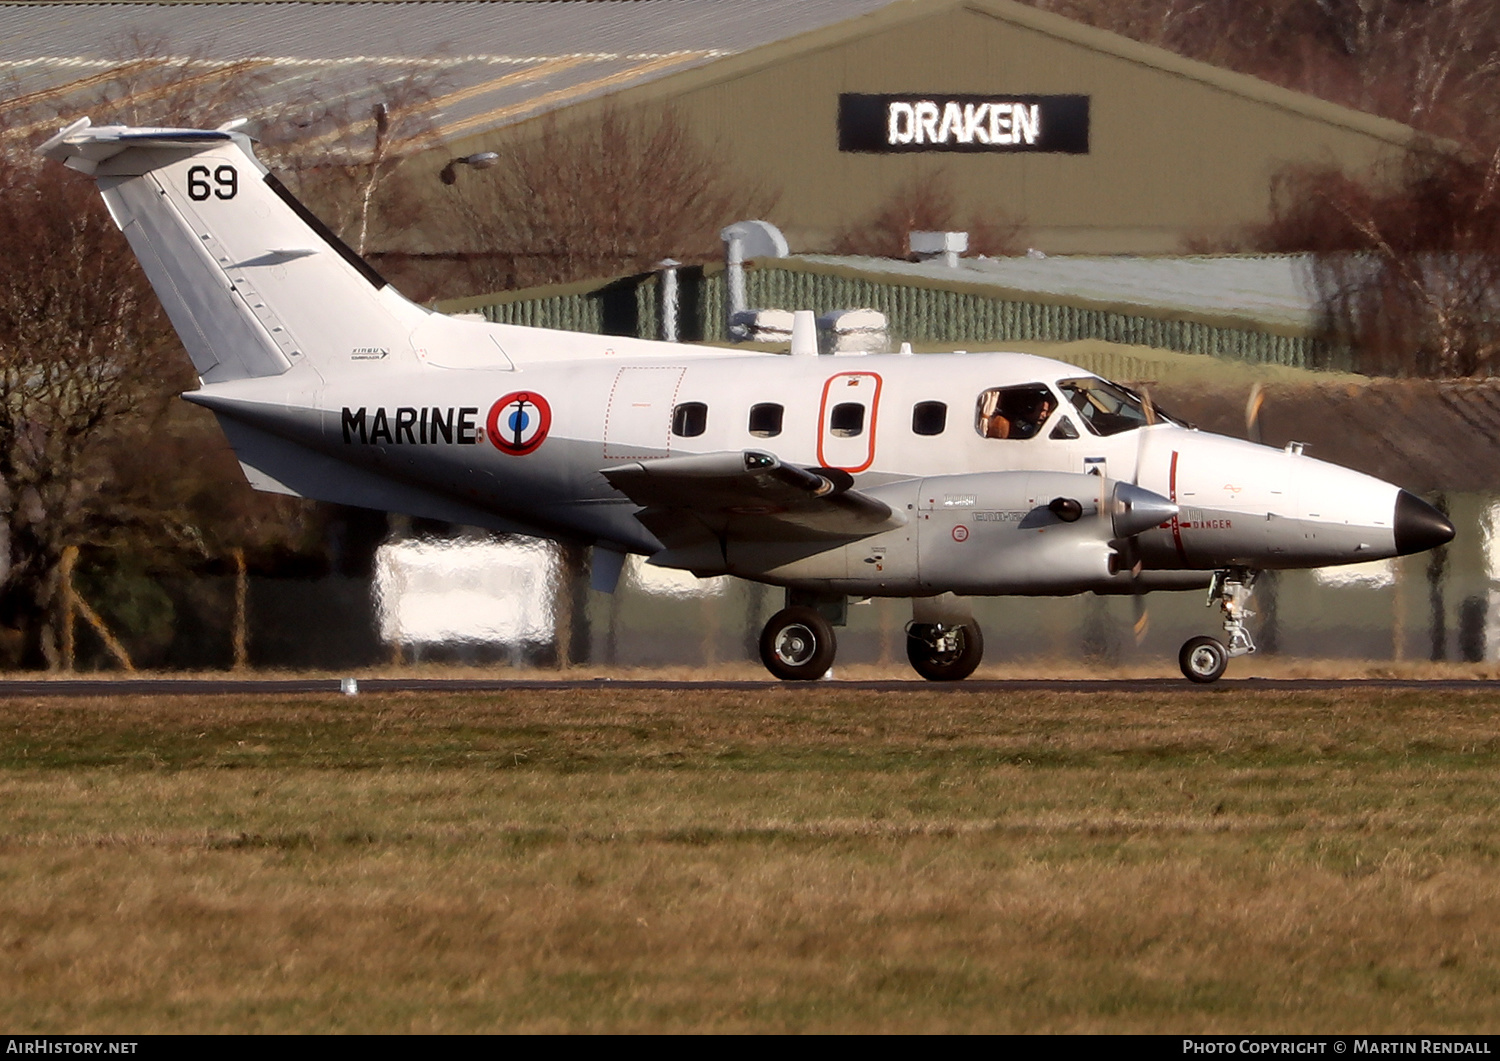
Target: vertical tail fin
x: 252, y: 282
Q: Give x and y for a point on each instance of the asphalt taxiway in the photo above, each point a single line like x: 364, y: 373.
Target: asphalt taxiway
x: 286, y: 686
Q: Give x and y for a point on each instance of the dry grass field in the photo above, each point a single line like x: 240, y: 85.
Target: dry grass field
x: 806, y: 859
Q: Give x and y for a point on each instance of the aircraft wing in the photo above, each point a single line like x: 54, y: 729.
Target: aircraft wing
x: 748, y: 496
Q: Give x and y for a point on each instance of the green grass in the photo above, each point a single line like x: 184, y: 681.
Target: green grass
x: 795, y: 859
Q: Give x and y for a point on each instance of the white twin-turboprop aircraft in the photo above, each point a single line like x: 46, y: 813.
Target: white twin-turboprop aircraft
x: 934, y: 477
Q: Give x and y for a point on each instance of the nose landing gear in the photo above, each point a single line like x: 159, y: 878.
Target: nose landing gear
x: 1204, y: 659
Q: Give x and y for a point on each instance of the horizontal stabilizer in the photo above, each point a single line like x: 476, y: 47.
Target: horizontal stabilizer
x: 83, y: 145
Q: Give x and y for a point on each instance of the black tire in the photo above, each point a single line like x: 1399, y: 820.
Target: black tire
x: 797, y: 645
x: 1203, y: 659
x: 952, y: 666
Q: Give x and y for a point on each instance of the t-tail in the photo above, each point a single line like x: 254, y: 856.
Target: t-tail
x: 252, y: 282
x: 273, y: 308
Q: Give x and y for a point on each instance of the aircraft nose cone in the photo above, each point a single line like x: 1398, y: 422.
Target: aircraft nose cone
x: 1419, y: 526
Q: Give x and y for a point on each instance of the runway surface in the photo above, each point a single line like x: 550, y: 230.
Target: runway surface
x: 229, y: 686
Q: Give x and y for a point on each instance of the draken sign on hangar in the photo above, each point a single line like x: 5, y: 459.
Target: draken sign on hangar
x: 884, y: 124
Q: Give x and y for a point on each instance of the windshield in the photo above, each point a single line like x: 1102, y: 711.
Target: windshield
x: 1108, y: 408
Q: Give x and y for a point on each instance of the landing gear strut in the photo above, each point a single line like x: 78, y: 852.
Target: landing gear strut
x: 1204, y: 659
x: 944, y: 652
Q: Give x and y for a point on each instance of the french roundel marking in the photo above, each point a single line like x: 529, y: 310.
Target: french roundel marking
x: 960, y: 533
x: 519, y: 422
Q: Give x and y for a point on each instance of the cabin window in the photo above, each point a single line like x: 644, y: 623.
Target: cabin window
x: 847, y: 420
x: 690, y: 419
x: 1014, y: 412
x: 765, y: 420
x: 929, y: 418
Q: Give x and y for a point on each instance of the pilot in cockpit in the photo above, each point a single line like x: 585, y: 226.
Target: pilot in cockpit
x: 1032, y: 410
x: 1016, y: 412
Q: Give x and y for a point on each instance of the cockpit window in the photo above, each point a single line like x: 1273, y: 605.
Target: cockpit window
x: 1014, y: 412
x: 1108, y: 408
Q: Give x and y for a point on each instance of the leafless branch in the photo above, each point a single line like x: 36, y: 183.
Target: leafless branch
x: 614, y: 197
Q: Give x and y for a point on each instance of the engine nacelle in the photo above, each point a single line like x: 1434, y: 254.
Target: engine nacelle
x: 1015, y: 532
x: 1028, y: 533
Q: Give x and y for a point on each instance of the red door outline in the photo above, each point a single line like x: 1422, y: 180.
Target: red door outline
x: 870, y: 432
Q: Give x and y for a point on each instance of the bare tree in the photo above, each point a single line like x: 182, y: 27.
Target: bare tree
x: 88, y: 370
x: 927, y: 203
x: 616, y: 196
x: 86, y: 363
x: 1429, y: 63
x: 154, y: 83
x: 1444, y: 58
x: 342, y: 152
x: 147, y: 84
x: 1407, y: 267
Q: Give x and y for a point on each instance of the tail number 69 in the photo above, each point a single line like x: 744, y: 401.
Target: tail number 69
x: 226, y: 183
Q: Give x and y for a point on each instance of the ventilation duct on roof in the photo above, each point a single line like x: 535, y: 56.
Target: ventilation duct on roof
x: 844, y: 331
x: 671, y: 301
x: 744, y: 240
x: 945, y: 245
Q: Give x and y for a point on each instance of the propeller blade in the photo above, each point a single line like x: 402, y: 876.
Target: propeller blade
x: 1147, y: 405
x: 1149, y: 408
x: 1252, y: 412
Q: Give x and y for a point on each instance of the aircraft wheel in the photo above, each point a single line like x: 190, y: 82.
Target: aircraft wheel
x: 797, y: 645
x: 951, y: 659
x: 1203, y: 659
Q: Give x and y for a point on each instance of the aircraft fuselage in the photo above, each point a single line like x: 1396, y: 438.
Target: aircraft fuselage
x: 530, y: 446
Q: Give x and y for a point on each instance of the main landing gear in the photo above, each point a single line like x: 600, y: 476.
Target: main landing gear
x: 943, y: 642
x: 944, y: 652
x: 1204, y: 659
x: 797, y: 645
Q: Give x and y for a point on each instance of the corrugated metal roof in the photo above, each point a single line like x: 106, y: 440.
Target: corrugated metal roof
x: 1274, y: 290
x: 48, y: 46
x: 416, y: 29
x: 491, y: 61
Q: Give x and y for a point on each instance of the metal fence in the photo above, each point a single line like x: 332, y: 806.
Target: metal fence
x: 916, y: 312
